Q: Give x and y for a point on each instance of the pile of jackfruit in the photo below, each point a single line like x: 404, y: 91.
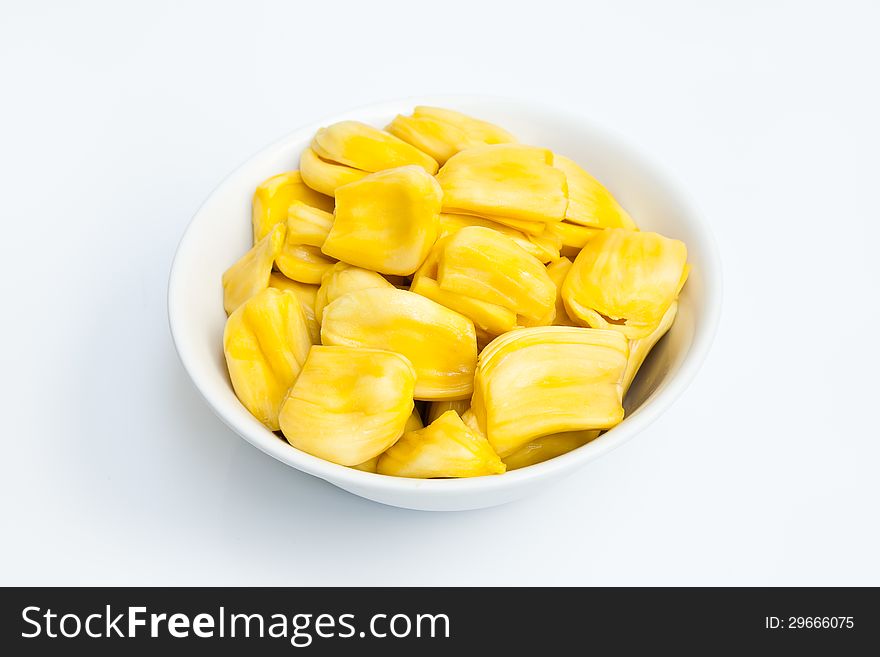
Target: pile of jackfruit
x: 437, y: 300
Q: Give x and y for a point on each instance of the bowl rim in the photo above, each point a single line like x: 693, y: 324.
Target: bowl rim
x: 709, y: 315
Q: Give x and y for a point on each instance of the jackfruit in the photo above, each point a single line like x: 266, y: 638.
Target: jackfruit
x: 439, y: 140
x: 413, y: 423
x: 435, y: 289
x: 386, y: 222
x: 545, y: 247
x: 470, y: 421
x: 251, y: 273
x: 273, y: 197
x: 307, y: 225
x: 536, y: 245
x: 535, y: 382
x: 323, y: 176
x: 482, y: 131
x: 484, y: 264
x: 364, y: 147
x: 441, y: 344
x: 348, y: 404
x: 571, y: 235
x: 489, y: 317
x: 341, y: 279
x: 303, y: 263
x: 504, y: 182
x: 443, y: 133
x: 445, y: 448
x: 306, y: 295
x: 266, y: 341
x: 625, y: 280
x: 548, y: 447
x: 589, y: 203
x: 639, y: 349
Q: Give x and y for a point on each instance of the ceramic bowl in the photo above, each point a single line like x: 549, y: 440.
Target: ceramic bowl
x: 220, y: 233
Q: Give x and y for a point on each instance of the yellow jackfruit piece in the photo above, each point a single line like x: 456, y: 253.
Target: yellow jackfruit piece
x: 558, y: 270
x: 303, y: 263
x: 482, y: 131
x: 470, y: 421
x: 536, y: 245
x: 438, y: 139
x: 266, y: 341
x: 572, y: 235
x: 548, y: 447
x: 307, y: 225
x: 489, y: 317
x: 348, y: 405
x: 386, y: 222
x: 445, y: 448
x: 545, y: 247
x: 589, y: 203
x: 441, y: 344
x: 251, y: 273
x: 442, y: 133
x: 535, y: 382
x: 504, y: 182
x: 306, y: 295
x: 484, y: 264
x: 639, y: 349
x: 540, y: 449
x: 413, y: 423
x: 438, y: 408
x: 364, y: 147
x: 625, y: 280
x: 341, y: 279
x: 326, y: 177
x: 274, y: 196
x: 300, y: 258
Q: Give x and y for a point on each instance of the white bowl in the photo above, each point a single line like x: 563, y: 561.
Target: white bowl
x: 220, y: 233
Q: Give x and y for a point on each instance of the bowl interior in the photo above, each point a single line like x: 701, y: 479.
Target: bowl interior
x: 221, y: 232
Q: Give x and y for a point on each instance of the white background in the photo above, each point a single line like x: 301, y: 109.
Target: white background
x: 118, y: 120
